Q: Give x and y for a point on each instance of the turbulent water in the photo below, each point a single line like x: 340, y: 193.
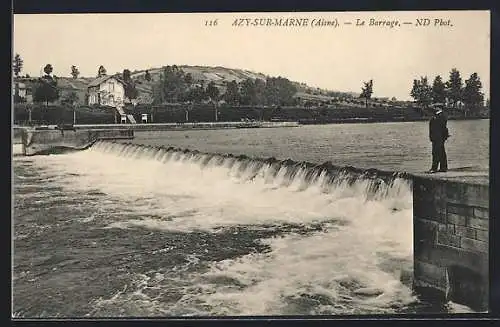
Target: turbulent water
x: 132, y: 230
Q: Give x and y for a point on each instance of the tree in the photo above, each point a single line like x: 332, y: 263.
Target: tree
x: 48, y: 69
x: 46, y: 90
x: 438, y: 90
x: 454, y: 87
x: 272, y: 91
x: 425, y: 91
x: 101, y: 71
x: 126, y: 75
x: 130, y: 90
x: 367, y: 91
x: 188, y: 79
x: 147, y: 76
x: 213, y: 94
x: 279, y: 91
x: 472, y: 96
x: 70, y: 99
x: 232, y: 95
x: 212, y: 91
x: 247, y: 92
x: 17, y: 64
x: 158, y: 97
x: 415, y: 91
x: 74, y: 72
x: 421, y: 91
x: 260, y: 91
x: 194, y: 94
x: 173, y: 86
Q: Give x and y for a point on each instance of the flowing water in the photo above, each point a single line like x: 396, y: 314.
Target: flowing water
x: 138, y: 230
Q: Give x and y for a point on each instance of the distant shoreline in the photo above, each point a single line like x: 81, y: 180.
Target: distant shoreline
x: 172, y: 114
x: 220, y: 125
x: 377, y: 120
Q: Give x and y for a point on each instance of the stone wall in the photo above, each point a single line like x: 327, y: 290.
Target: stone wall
x: 45, y: 141
x: 451, y: 220
x: 17, y: 134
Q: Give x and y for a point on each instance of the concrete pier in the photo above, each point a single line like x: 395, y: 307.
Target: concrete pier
x: 50, y: 140
x: 451, y: 237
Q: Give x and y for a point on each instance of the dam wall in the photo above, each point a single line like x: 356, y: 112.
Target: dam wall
x: 17, y: 141
x: 53, y: 140
x: 450, y: 219
x: 17, y: 134
x: 451, y: 237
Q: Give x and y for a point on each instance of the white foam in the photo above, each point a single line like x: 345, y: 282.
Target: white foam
x: 319, y: 264
x: 178, y: 193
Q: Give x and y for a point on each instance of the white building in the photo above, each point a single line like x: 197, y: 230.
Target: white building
x: 106, y: 91
x: 19, y: 89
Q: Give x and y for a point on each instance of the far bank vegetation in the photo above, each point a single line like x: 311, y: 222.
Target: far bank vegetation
x: 173, y: 86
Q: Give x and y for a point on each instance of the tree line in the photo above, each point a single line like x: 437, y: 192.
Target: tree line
x: 177, y: 86
x: 46, y: 88
x: 453, y: 92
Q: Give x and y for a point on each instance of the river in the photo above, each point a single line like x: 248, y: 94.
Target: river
x: 135, y: 230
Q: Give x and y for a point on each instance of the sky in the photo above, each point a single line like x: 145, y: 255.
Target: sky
x: 338, y: 57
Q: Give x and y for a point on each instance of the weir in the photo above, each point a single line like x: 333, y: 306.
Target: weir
x: 450, y: 211
x: 52, y: 140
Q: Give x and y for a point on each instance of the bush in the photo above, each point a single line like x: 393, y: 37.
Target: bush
x: 54, y: 115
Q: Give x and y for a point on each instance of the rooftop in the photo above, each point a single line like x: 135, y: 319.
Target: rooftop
x: 102, y: 79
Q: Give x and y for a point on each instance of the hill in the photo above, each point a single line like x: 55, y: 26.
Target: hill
x: 220, y: 75
x: 204, y: 75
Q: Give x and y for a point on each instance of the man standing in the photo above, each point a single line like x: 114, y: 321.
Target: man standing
x: 438, y: 134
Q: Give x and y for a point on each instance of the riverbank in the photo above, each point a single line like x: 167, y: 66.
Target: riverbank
x: 377, y: 120
x: 176, y: 114
x: 189, y: 126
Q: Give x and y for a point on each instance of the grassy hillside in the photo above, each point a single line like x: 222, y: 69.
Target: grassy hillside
x: 220, y: 75
x: 203, y: 74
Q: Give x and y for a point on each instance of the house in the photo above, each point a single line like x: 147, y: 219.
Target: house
x: 22, y: 91
x: 106, y: 91
x: 23, y: 87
